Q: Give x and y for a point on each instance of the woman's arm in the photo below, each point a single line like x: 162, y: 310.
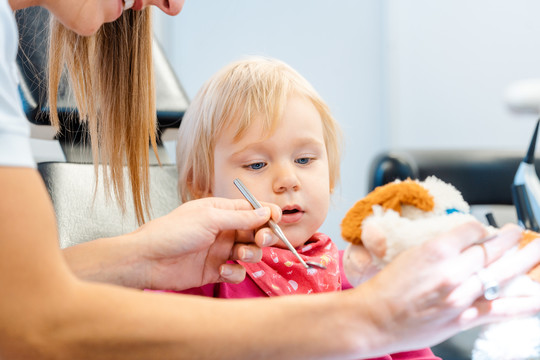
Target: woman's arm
x: 47, y: 312
x: 187, y: 248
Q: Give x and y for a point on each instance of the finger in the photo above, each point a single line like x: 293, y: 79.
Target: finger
x: 504, y: 240
x: 456, y: 240
x: 357, y: 257
x: 232, y: 273
x: 246, y: 253
x: 265, y: 237
x: 478, y: 256
x: 242, y: 204
x: 501, y: 271
x: 374, y: 240
x: 535, y: 273
x: 276, y: 211
x: 516, y: 263
x: 241, y: 219
x: 357, y: 264
x: 483, y: 311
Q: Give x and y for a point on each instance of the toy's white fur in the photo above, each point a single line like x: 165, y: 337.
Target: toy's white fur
x: 415, y: 226
x: 402, y: 233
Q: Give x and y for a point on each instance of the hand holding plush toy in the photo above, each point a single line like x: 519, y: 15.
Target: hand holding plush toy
x: 402, y: 214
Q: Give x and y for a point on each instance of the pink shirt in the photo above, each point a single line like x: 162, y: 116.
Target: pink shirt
x: 249, y: 289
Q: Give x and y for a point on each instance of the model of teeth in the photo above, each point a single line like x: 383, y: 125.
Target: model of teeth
x: 128, y: 4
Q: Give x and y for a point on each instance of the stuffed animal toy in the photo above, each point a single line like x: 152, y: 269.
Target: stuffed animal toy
x: 402, y: 214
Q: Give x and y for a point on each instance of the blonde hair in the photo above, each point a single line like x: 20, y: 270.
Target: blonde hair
x: 111, y: 75
x: 241, y: 93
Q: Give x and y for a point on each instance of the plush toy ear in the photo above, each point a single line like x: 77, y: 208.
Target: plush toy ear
x: 389, y: 196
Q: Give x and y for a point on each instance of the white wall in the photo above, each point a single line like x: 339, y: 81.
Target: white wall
x: 449, y: 63
x: 335, y: 45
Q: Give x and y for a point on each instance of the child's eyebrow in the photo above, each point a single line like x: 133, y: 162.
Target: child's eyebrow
x: 249, y: 147
x: 261, y: 145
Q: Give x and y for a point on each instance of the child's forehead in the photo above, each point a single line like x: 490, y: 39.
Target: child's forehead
x: 258, y: 127
x: 256, y: 118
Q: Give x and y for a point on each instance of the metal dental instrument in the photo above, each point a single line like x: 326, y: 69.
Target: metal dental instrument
x: 275, y: 228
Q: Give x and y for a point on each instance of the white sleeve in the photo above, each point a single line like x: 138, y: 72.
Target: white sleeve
x: 15, y: 147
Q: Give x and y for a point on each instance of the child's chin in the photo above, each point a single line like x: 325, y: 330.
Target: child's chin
x: 281, y: 245
x: 295, y: 242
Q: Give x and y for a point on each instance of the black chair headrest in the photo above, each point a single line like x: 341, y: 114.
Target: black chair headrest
x: 482, y: 176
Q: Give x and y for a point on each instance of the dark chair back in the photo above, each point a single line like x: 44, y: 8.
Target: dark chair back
x: 482, y: 176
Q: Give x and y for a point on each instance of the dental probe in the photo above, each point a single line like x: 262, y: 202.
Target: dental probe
x: 275, y: 228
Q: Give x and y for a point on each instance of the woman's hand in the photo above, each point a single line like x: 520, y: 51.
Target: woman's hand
x: 358, y: 259
x: 432, y: 291
x: 358, y: 264
x: 191, y: 246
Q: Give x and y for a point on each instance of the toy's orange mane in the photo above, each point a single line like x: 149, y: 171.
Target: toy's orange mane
x: 390, y: 196
x: 394, y: 196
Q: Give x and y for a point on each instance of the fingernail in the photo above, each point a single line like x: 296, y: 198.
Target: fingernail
x: 247, y: 254
x: 267, y: 239
x: 225, y: 271
x: 263, y: 211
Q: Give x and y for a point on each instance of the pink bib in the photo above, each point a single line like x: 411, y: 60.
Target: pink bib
x: 280, y: 273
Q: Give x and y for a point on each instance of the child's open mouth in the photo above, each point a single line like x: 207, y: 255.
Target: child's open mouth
x: 291, y: 215
x: 292, y: 211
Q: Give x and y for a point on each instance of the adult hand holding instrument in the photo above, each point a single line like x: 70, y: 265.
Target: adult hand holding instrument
x: 275, y: 228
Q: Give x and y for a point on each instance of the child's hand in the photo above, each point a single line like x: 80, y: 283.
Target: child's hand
x: 358, y: 264
x: 358, y: 261
x: 374, y: 239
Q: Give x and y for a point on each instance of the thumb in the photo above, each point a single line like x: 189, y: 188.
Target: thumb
x: 374, y: 239
x: 357, y: 264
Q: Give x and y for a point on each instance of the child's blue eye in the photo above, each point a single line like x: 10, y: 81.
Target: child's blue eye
x: 303, y: 161
x: 256, y: 166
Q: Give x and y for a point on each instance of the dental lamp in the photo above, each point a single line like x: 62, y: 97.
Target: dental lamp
x: 524, y: 96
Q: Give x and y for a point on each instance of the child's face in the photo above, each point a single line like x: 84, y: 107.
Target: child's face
x: 289, y: 169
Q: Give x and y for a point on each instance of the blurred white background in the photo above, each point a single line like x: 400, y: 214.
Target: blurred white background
x: 396, y: 74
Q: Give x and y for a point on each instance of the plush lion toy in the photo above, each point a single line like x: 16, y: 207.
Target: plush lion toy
x: 407, y: 213
x: 402, y: 214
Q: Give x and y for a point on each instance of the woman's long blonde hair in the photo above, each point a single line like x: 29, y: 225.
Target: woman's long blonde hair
x: 111, y: 76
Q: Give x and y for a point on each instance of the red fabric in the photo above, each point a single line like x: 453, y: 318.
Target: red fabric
x: 280, y: 273
x: 250, y: 289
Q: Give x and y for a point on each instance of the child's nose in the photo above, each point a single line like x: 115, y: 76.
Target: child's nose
x: 285, y: 179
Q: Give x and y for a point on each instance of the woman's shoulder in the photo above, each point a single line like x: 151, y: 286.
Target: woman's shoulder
x: 14, y: 128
